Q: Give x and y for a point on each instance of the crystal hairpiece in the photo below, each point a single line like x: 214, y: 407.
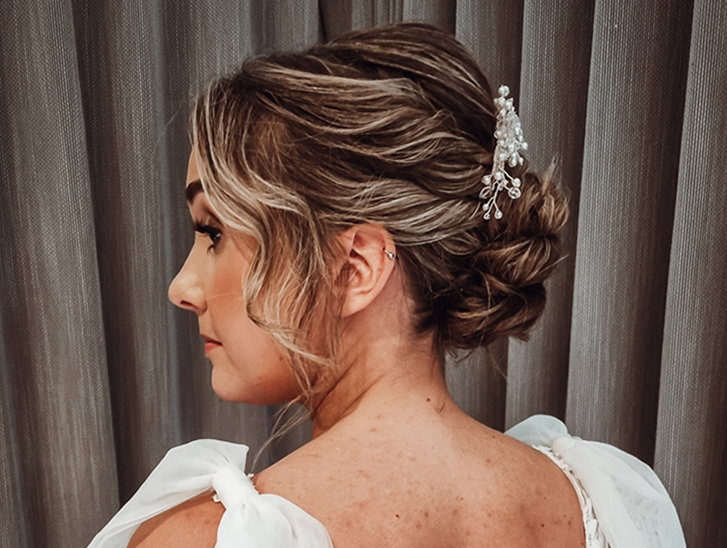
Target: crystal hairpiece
x: 509, y: 138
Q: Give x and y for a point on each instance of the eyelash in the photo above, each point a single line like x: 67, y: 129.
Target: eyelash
x: 211, y: 232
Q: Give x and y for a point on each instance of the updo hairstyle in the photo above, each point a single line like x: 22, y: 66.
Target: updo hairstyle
x: 392, y: 126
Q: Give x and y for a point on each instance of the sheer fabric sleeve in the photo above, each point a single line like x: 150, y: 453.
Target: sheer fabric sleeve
x: 250, y: 520
x: 629, y: 501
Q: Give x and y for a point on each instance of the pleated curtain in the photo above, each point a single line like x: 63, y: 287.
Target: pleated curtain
x: 100, y: 375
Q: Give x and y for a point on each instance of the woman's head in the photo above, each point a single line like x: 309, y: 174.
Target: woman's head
x: 248, y: 365
x: 391, y: 127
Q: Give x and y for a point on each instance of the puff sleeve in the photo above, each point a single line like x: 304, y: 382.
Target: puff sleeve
x: 629, y: 501
x: 250, y: 520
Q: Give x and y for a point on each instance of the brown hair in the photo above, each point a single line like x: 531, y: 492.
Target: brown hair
x: 391, y: 126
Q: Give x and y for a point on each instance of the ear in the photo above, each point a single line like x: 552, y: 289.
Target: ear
x: 369, y: 260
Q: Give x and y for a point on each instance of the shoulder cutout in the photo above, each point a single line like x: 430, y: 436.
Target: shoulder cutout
x: 192, y: 524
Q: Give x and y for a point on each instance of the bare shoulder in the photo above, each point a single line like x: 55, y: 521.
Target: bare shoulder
x: 192, y: 524
x: 461, y: 485
x: 339, y: 480
x: 299, y: 476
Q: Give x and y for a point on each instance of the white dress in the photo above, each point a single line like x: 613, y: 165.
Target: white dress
x: 624, y: 504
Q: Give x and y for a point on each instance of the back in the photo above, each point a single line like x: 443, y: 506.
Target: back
x: 429, y: 480
x: 475, y: 488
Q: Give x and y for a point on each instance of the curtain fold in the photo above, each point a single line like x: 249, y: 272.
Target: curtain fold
x: 692, y: 420
x: 118, y: 73
x: 101, y: 375
x: 630, y: 165
x: 553, y: 104
x: 56, y: 420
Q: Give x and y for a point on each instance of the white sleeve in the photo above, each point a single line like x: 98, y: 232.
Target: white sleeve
x: 250, y: 520
x: 630, y: 503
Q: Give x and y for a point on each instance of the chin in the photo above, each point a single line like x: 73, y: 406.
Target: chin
x: 237, y: 391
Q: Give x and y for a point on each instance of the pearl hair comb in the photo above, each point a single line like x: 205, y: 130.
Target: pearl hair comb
x: 509, y: 138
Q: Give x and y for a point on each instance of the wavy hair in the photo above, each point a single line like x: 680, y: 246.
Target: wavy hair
x: 392, y: 126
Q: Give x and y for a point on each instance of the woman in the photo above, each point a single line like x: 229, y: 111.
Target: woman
x: 361, y: 209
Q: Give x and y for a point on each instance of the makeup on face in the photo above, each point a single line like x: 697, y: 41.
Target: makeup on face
x: 247, y: 364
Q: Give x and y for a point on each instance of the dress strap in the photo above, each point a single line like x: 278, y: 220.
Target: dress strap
x: 594, y: 536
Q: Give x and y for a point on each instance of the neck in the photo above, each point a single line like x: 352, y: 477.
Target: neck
x: 382, y: 367
x: 380, y: 384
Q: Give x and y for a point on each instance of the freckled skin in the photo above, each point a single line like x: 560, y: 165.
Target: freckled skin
x: 393, y: 462
x: 428, y: 501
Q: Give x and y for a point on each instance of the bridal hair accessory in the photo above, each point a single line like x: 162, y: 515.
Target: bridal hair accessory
x: 509, y: 138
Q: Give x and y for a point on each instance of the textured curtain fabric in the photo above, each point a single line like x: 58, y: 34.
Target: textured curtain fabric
x: 100, y: 375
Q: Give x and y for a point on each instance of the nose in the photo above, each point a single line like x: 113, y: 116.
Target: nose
x: 186, y: 289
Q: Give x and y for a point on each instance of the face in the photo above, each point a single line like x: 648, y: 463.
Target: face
x: 247, y: 365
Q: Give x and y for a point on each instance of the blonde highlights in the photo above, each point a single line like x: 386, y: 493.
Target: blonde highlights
x: 391, y: 126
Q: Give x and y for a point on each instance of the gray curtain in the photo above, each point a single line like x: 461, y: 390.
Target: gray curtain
x: 101, y: 375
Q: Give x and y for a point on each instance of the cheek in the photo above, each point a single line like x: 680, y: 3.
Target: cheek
x: 252, y: 367
x: 224, y: 294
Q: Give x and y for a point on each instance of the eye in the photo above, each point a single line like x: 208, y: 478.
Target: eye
x: 214, y: 234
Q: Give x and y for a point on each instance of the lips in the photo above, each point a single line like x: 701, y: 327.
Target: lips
x: 210, y: 344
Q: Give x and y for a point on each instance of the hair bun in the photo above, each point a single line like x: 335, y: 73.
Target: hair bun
x: 500, y: 290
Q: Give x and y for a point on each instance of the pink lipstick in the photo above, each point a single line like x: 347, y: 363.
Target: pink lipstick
x: 210, y: 344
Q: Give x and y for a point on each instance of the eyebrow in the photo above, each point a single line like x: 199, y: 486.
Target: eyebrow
x: 192, y: 189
